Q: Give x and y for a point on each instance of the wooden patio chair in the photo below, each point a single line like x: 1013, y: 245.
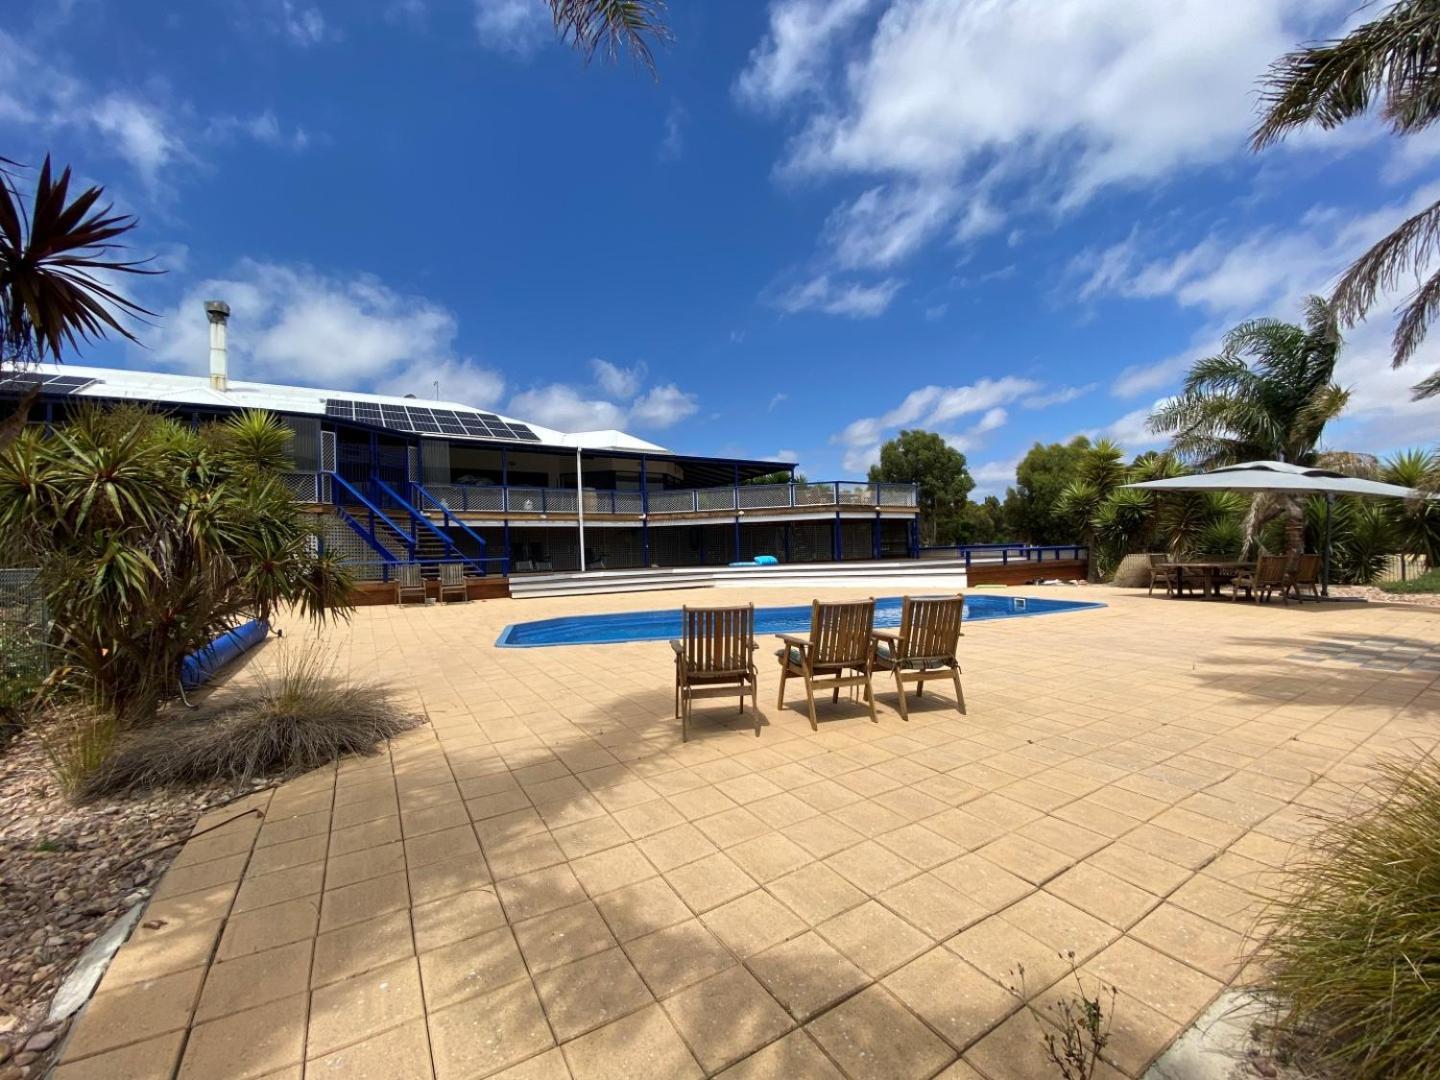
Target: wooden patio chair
x: 409, y: 583
x: 715, y: 657
x: 453, y: 581
x: 1306, y: 576
x: 1160, y: 575
x: 839, y: 652
x: 1271, y: 573
x: 924, y: 647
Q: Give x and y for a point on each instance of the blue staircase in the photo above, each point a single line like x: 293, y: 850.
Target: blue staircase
x: 397, y: 530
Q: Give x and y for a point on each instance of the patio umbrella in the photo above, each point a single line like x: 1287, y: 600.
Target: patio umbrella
x: 1283, y: 478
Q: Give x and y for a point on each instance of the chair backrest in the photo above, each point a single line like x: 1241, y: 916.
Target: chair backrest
x: 1158, y: 559
x: 1307, y: 570
x: 718, y: 639
x: 840, y: 631
x: 408, y: 575
x: 1271, y: 569
x: 930, y: 627
x: 452, y: 574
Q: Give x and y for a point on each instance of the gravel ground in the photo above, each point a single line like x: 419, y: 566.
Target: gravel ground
x: 1380, y: 596
x: 66, y: 874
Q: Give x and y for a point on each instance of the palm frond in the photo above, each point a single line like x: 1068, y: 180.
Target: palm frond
x: 1330, y: 82
x: 1405, y: 252
x: 613, y: 26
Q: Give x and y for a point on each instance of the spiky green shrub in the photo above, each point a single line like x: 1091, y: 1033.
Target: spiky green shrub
x: 153, y: 537
x: 1354, y: 944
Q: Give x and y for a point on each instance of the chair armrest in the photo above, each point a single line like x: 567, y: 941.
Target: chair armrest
x: 675, y: 644
x: 888, y: 635
x: 798, y: 642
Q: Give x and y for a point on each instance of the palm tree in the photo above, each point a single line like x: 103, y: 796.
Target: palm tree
x: 1391, y: 59
x: 1267, y: 395
x: 612, y: 26
x: 57, y: 256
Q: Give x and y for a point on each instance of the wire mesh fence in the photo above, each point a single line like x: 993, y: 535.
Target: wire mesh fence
x: 1401, y: 568
x: 24, y: 626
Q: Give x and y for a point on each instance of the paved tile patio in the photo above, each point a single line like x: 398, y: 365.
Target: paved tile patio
x: 545, y: 882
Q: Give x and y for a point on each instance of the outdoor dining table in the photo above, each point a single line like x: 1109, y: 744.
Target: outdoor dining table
x: 1211, y: 573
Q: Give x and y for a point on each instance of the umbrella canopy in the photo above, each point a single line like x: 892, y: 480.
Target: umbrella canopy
x: 1283, y: 478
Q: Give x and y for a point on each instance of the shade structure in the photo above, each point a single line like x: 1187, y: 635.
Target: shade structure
x: 1283, y: 478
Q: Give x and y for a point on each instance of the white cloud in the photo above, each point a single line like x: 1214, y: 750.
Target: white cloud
x: 564, y: 408
x: 934, y: 407
x: 973, y: 437
x: 140, y: 132
x: 303, y: 24
x: 519, y: 27
x: 952, y: 102
x: 1060, y: 396
x: 617, y: 381
x: 662, y: 407
x: 776, y: 400
x: 789, y: 456
x: 792, y: 58
x: 672, y: 144
x: 263, y: 127
x: 993, y: 477
x: 848, y: 298
x: 293, y: 324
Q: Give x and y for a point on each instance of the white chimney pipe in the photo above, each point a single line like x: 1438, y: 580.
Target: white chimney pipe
x: 217, y: 311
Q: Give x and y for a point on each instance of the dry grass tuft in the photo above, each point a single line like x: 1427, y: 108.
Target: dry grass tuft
x: 300, y: 717
x: 1354, y: 948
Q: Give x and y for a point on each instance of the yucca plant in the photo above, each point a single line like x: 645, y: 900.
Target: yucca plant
x: 1415, y: 522
x: 152, y: 539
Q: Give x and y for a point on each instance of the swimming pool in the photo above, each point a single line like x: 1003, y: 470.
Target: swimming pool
x: 663, y: 625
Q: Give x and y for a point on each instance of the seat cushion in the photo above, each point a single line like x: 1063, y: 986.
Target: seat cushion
x: 885, y: 653
x: 795, y: 656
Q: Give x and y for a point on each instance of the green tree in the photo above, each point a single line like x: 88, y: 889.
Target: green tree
x: 153, y: 538
x: 1267, y: 395
x: 779, y: 476
x: 924, y: 458
x: 1031, y: 506
x: 982, y: 522
x: 1415, y: 523
x: 1390, y: 59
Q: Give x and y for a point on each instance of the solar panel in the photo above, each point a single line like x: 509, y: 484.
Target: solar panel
x: 23, y: 382
x: 414, y: 418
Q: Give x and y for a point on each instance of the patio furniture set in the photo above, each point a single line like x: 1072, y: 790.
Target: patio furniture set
x: 715, y: 656
x: 1270, y: 575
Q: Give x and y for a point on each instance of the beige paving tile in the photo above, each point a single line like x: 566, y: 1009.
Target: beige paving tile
x: 483, y: 1034
x: 563, y: 936
x: 709, y: 882
x: 360, y: 1007
x: 675, y: 847
x: 284, y: 856
x: 266, y: 928
x: 360, y: 947
x: 402, y: 1053
x: 1167, y: 986
x: 247, y: 1044
x: 957, y: 1000
x: 523, y: 855
x: 769, y: 856
x: 435, y: 880
x: 806, y: 975
x: 255, y: 979
x: 615, y: 868
x: 874, y: 939
x: 141, y: 1010
x: 726, y: 1017
x: 472, y: 966
x: 591, y: 992
x: 277, y: 888
x: 1183, y: 935
x: 455, y: 918
x: 153, y: 1059
x: 369, y: 834
x: 547, y: 1066
x: 644, y: 1044
x: 1100, y: 893
x: 871, y: 868
x: 752, y: 923
x: 673, y: 958
x: 816, y: 893
x: 364, y: 864
x: 793, y: 1056
x: 929, y: 904
x: 364, y: 900
x: 873, y: 1035
x: 599, y: 833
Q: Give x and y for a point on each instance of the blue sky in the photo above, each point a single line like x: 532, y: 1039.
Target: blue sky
x: 827, y: 219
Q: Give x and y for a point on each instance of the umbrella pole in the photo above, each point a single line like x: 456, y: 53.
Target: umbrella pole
x: 1325, y: 566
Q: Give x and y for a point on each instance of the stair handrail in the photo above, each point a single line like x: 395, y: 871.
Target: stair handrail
x: 370, y: 506
x: 417, y: 516
x: 448, y: 519
x: 367, y: 535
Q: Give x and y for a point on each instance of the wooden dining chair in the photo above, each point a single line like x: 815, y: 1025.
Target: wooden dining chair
x: 925, y: 646
x: 1306, y: 576
x: 1271, y: 574
x: 715, y: 657
x: 839, y: 652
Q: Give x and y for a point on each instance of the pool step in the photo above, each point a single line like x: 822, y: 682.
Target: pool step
x: 935, y: 574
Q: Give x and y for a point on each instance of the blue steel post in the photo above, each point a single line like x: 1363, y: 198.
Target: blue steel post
x: 737, y: 535
x: 875, y: 537
x: 835, y: 531
x: 787, y: 534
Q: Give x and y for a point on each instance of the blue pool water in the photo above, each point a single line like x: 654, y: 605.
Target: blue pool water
x: 663, y: 625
